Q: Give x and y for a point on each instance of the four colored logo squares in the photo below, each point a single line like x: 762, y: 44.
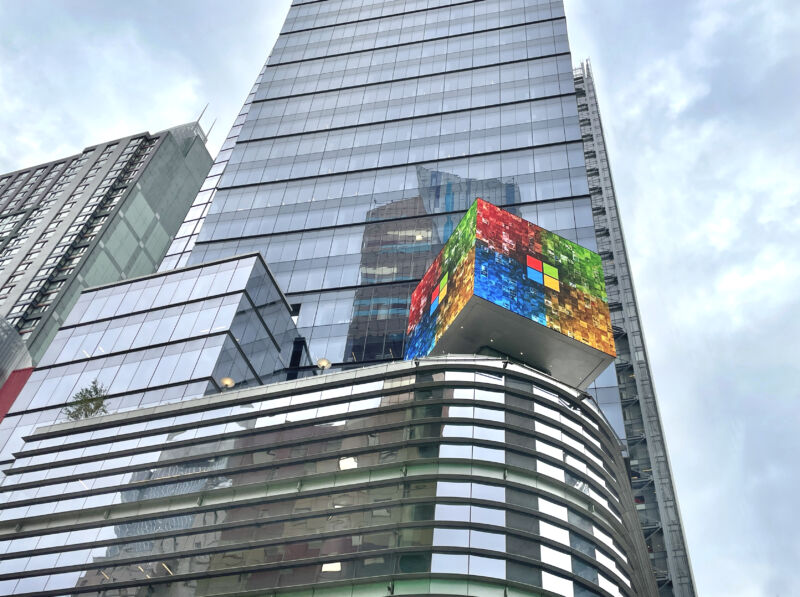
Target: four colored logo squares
x: 542, y: 273
x: 438, y: 293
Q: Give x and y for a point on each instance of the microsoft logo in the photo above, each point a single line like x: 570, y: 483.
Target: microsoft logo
x: 542, y: 273
x: 438, y: 293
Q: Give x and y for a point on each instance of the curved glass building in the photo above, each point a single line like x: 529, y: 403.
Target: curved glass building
x: 451, y: 475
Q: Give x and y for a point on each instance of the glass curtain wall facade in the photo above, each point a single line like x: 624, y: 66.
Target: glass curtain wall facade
x: 366, y: 137
x: 92, y: 219
x: 651, y: 477
x: 161, y: 338
x: 99, y: 217
x: 368, y: 133
x: 459, y: 475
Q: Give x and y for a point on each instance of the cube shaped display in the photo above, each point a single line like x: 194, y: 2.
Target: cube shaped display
x: 507, y: 285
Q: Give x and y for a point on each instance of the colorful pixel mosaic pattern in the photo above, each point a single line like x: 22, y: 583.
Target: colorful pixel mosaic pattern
x: 499, y: 257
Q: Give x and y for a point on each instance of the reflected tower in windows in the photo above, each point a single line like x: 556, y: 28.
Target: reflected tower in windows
x: 375, y: 123
x: 369, y: 132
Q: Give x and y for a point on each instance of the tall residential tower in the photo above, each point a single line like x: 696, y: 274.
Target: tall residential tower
x: 96, y: 217
x: 101, y: 216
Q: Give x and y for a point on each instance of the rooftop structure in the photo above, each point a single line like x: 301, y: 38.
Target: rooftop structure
x: 162, y: 338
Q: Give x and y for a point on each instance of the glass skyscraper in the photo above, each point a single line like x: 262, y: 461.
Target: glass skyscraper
x: 370, y: 131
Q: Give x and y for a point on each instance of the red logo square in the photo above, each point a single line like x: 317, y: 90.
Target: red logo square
x: 534, y: 263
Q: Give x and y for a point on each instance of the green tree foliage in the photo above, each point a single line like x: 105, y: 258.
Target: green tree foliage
x: 88, y: 402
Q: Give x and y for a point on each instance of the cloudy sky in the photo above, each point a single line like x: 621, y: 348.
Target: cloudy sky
x: 700, y: 106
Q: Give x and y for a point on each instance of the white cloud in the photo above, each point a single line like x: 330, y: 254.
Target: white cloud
x: 663, y: 85
x: 72, y: 77
x: 699, y: 108
x: 122, y: 87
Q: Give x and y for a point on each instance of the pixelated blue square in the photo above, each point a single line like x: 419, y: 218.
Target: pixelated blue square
x: 537, y: 277
x: 434, y: 304
x: 502, y: 280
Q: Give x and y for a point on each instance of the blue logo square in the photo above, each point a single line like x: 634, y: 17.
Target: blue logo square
x: 535, y: 276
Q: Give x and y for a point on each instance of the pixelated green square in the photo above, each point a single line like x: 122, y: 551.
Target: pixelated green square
x: 550, y: 271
